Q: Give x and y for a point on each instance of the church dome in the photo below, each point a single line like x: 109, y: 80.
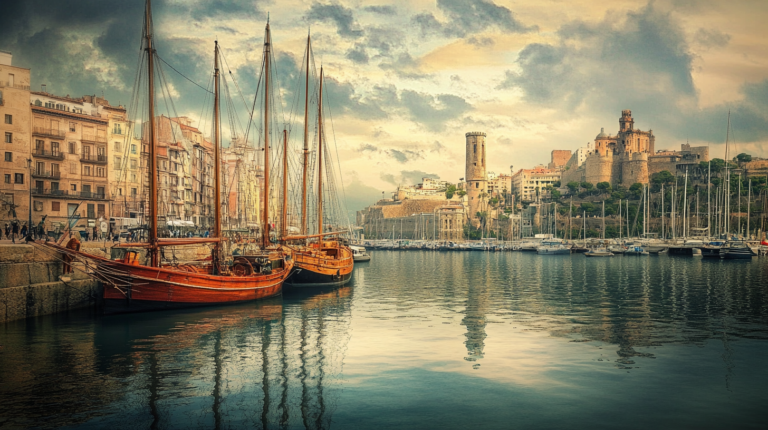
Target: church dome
x: 602, y: 134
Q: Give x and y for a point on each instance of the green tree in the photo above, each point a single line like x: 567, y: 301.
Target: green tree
x: 663, y: 177
x: 450, y: 191
x: 555, y: 194
x: 556, y: 184
x: 587, y: 185
x: 573, y: 186
x: 604, y: 187
x: 744, y: 157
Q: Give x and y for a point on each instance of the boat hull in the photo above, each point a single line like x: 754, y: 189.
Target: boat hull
x: 558, y: 251
x: 307, y: 278
x: 328, y: 266
x: 137, y: 288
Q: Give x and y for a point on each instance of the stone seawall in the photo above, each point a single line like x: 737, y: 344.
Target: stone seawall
x: 31, y: 284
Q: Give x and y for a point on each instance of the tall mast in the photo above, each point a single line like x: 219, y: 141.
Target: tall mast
x: 306, y: 150
x: 284, y: 222
x: 153, y: 248
x: 727, y: 182
x: 265, y: 226
x: 320, y: 158
x: 216, y: 149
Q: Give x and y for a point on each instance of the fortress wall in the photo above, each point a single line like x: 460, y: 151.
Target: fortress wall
x: 599, y: 168
x: 658, y: 164
x: 634, y: 168
x: 410, y: 207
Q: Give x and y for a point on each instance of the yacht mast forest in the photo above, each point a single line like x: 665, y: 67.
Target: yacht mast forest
x: 131, y: 285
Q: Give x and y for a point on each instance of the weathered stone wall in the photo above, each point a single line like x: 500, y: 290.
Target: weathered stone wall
x: 408, y: 227
x: 659, y: 164
x: 30, y: 284
x: 410, y: 207
x: 559, y: 158
x: 599, y: 168
x: 634, y: 168
x: 572, y: 171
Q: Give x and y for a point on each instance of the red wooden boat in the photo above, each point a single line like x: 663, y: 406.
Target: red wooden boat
x: 130, y: 286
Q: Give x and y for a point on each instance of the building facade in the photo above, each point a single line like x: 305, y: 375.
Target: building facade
x: 529, y: 185
x: 628, y: 157
x: 15, y: 130
x: 69, y: 158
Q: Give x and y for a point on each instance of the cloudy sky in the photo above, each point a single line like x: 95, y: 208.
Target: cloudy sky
x: 406, y: 80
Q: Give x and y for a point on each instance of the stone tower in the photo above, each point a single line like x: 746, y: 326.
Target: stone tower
x: 475, y: 173
x: 626, y: 122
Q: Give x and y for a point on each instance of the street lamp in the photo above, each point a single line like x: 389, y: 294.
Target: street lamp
x: 29, y: 168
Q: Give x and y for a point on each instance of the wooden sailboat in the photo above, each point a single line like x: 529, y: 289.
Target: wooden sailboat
x: 131, y: 286
x: 321, y: 259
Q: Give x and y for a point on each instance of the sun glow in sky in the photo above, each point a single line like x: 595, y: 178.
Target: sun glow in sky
x: 406, y: 80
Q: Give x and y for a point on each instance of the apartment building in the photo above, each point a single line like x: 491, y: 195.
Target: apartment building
x: 15, y: 131
x: 529, y: 184
x: 70, y: 157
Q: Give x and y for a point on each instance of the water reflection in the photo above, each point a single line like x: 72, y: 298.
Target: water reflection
x: 273, y: 363
x: 489, y: 326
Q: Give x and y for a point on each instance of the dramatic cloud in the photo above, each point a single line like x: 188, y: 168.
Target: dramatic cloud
x: 711, y: 38
x: 408, y: 177
x: 346, y: 26
x: 642, y: 62
x: 469, y: 17
x: 434, y: 112
x: 382, y: 10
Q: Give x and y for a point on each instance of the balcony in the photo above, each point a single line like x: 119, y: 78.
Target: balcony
x: 93, y: 138
x: 5, y: 84
x: 48, y: 132
x: 89, y: 195
x: 46, y: 175
x: 91, y: 158
x: 54, y: 155
x: 49, y: 193
x: 66, y: 194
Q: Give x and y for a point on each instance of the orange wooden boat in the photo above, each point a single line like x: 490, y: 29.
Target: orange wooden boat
x: 327, y: 263
x: 130, y: 286
x: 324, y: 262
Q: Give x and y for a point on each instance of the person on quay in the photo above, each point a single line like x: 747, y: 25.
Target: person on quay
x: 23, y: 230
x: 74, y: 245
x: 14, y: 230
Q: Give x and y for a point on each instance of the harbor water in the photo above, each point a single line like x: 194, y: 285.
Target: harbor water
x: 419, y: 339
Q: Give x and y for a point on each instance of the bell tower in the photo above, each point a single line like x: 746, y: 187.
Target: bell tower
x: 626, y: 123
x: 475, y: 172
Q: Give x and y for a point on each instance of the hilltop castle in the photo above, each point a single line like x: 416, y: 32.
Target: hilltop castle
x: 628, y: 157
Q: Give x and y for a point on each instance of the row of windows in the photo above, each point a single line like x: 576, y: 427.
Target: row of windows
x: 92, y: 210
x: 18, y: 178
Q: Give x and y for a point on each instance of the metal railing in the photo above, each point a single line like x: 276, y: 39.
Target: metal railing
x: 56, y: 155
x: 49, y: 132
x: 6, y: 84
x: 93, y: 158
x: 47, y: 175
x: 69, y: 194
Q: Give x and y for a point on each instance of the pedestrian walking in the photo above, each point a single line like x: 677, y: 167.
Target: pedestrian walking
x: 14, y: 230
x: 7, y: 231
x: 95, y: 233
x: 24, y: 230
